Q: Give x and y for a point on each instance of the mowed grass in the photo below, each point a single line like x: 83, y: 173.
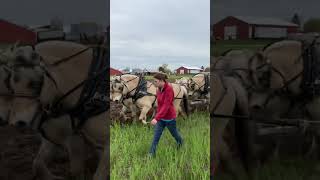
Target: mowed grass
x: 223, y: 45
x: 130, y: 146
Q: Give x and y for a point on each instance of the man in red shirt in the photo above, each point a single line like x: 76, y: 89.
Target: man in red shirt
x: 166, y: 113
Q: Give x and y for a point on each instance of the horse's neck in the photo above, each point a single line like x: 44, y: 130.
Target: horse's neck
x: 132, y: 84
x: 218, y: 89
x: 201, y: 82
x: 151, y: 88
x: 69, y: 73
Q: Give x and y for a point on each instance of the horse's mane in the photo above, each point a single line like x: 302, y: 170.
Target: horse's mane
x: 226, y: 52
x: 280, y: 44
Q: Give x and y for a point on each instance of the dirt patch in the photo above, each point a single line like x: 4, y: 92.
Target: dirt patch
x: 18, y: 149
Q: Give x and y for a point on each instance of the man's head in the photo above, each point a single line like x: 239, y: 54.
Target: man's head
x: 160, y: 79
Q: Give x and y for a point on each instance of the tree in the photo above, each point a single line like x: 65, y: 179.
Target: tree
x: 127, y: 69
x: 164, y: 68
x: 312, y: 25
x: 161, y: 69
x: 296, y: 19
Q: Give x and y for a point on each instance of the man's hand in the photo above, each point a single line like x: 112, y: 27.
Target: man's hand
x: 154, y: 122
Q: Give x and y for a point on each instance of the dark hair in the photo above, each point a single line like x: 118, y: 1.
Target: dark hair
x: 160, y: 76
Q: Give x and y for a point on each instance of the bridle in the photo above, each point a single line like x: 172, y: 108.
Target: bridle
x: 44, y: 113
x: 201, y: 88
x: 284, y: 87
x: 124, y: 84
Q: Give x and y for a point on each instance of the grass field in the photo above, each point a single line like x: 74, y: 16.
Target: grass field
x: 289, y: 168
x: 130, y: 146
x: 223, y: 45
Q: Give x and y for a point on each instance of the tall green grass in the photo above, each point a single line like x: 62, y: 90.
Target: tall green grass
x: 282, y: 168
x: 130, y: 146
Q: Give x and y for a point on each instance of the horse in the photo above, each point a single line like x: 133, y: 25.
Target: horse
x: 199, y: 86
x: 182, y: 81
x: 282, y: 82
x: 228, y: 97
x: 143, y: 94
x: 47, y: 101
x: 5, y: 98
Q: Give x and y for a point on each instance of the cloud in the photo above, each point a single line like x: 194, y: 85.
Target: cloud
x: 148, y: 33
x: 37, y: 12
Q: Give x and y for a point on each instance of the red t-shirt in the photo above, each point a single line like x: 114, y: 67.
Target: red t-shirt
x: 165, y: 98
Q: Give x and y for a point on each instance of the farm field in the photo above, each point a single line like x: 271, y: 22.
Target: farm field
x: 130, y: 145
x: 223, y: 45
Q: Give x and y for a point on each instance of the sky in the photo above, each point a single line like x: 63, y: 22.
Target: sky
x: 149, y: 33
x: 39, y: 12
x: 283, y: 9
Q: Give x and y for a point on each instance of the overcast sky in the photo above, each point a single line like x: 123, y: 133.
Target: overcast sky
x: 264, y: 8
x: 39, y: 12
x: 148, y: 33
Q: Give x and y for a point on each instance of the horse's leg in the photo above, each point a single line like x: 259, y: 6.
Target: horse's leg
x: 177, y: 104
x: 101, y: 172
x: 312, y: 108
x: 143, y: 114
x: 124, y: 112
x: 77, y: 155
x: 46, y: 153
x: 232, y: 164
x: 135, y: 115
x: 222, y: 153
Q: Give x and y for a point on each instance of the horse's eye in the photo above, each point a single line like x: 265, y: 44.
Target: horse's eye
x: 121, y: 88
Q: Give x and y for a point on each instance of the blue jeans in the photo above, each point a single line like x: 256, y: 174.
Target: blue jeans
x: 158, y: 129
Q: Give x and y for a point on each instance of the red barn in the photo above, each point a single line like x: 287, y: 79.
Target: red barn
x: 11, y: 33
x: 114, y: 72
x: 188, y: 70
x: 241, y: 27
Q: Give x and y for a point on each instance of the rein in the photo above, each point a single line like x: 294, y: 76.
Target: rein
x: 75, y: 54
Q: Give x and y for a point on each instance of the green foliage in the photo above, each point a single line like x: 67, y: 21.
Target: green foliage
x: 296, y: 19
x: 312, y: 25
x: 223, y: 45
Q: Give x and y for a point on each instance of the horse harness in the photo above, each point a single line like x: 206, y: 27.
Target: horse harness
x: 93, y: 98
x: 141, y: 90
x: 310, y: 84
x: 205, y: 86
